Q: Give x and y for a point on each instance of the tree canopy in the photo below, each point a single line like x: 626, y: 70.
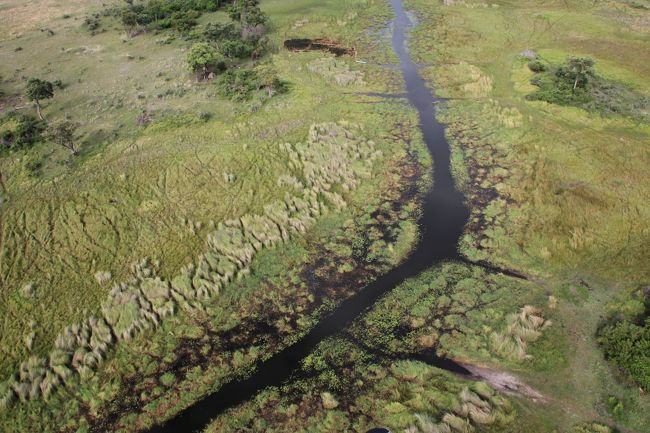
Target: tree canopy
x: 37, y: 90
x: 63, y: 134
x: 203, y: 58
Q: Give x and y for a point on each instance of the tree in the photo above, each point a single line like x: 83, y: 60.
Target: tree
x: 63, y: 135
x: 269, y: 81
x: 247, y: 12
x: 216, y: 32
x: 203, y: 58
x: 253, y: 17
x: 129, y: 20
x: 236, y: 48
x: 37, y: 90
x: 578, y: 69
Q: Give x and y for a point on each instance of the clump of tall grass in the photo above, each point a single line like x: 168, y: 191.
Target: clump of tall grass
x: 591, y: 427
x: 522, y: 328
x: 329, y: 401
x: 336, y: 71
x: 29, y: 290
x: 334, y: 157
x: 466, y: 80
x: 510, y: 117
x: 475, y: 407
x: 103, y: 277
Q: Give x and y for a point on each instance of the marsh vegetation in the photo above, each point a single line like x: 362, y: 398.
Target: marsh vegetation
x: 198, y: 184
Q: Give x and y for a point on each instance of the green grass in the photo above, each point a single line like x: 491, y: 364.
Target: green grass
x: 565, y: 205
x: 556, y: 192
x: 76, y: 219
x: 69, y: 234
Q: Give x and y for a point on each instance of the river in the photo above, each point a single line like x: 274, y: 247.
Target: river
x: 443, y: 219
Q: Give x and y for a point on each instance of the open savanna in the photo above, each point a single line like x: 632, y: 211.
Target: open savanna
x: 158, y: 190
x: 557, y: 192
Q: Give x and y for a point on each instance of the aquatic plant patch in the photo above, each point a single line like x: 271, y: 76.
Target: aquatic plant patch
x: 344, y: 388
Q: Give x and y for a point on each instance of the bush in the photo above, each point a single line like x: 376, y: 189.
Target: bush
x: 236, y: 49
x: 536, y: 66
x: 92, y: 23
x: 27, y: 132
x: 627, y: 345
x: 576, y: 84
x: 33, y: 167
x: 238, y: 84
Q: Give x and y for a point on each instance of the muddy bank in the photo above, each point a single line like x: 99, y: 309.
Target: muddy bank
x: 505, y: 382
x: 326, y: 45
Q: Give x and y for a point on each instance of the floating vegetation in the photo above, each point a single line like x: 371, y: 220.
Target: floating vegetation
x: 522, y: 328
x: 331, y: 162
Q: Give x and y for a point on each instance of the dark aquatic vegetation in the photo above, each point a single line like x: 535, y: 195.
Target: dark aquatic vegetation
x: 442, y: 224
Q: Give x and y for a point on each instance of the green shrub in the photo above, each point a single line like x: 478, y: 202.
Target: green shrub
x: 238, y: 84
x: 236, y: 48
x: 33, y: 167
x: 576, y: 84
x: 537, y: 66
x: 28, y: 131
x: 627, y: 345
x: 92, y: 23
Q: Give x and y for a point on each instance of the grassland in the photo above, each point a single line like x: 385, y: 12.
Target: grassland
x: 69, y: 237
x: 557, y: 193
x: 75, y: 220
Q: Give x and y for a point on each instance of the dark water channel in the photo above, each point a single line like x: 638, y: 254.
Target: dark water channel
x: 443, y: 219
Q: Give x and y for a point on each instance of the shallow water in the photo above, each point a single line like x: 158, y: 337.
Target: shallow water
x: 442, y: 223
